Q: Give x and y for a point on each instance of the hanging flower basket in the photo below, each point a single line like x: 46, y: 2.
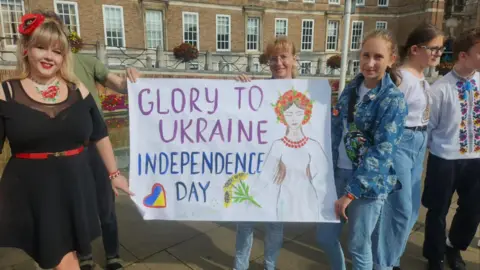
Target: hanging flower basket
x: 334, y: 62
x: 185, y: 52
x: 75, y: 40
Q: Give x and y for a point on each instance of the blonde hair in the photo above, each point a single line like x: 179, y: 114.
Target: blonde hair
x: 282, y: 44
x: 49, y: 32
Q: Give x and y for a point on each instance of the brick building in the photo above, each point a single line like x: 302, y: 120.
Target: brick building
x: 230, y: 30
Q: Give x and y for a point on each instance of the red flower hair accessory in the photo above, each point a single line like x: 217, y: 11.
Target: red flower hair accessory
x: 29, y: 23
x: 288, y: 99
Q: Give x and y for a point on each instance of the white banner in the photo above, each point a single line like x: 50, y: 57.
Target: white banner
x: 222, y: 150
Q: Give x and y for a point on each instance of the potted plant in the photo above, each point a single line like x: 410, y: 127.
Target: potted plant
x: 185, y: 52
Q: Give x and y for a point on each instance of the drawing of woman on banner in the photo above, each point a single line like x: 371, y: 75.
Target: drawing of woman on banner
x: 296, y: 164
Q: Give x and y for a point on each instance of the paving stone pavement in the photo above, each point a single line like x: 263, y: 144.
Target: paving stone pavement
x: 147, y: 245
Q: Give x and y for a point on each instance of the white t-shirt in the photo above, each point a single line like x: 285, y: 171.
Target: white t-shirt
x: 343, y: 161
x: 417, y: 97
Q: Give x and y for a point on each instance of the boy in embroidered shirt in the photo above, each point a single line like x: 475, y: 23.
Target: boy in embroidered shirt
x: 454, y: 161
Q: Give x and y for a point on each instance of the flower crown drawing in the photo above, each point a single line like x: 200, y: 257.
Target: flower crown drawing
x: 293, y: 97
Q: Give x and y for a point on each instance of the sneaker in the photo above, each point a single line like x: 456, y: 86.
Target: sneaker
x: 454, y: 259
x: 114, y: 264
x: 87, y: 265
x: 435, y: 265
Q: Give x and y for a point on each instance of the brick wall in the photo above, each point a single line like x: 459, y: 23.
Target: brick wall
x: 406, y: 13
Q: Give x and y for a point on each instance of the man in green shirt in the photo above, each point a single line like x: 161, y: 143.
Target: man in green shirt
x: 90, y: 70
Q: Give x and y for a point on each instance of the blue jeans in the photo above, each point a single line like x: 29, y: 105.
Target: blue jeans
x: 363, y: 218
x: 401, y: 208
x: 273, y: 244
x: 328, y: 234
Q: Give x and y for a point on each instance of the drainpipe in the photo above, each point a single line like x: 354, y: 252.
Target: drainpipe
x: 346, y: 31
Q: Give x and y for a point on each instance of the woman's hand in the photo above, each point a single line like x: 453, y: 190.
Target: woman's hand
x: 243, y: 78
x: 341, y: 205
x: 120, y: 182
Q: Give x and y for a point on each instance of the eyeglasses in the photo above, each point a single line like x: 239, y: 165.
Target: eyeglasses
x: 274, y: 59
x: 434, y: 50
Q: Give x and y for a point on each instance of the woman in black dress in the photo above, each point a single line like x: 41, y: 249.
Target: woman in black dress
x: 47, y: 193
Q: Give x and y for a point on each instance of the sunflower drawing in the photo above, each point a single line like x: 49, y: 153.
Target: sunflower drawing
x: 236, y: 190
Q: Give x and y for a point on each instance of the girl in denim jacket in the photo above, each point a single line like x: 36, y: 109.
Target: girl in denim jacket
x: 367, y: 125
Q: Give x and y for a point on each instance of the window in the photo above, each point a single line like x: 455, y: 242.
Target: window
x: 154, y: 28
x: 334, y: 2
x: 113, y: 23
x: 309, y: 1
x: 281, y: 27
x: 356, y: 67
x: 253, y: 33
x: 223, y: 32
x: 360, y: 3
x: 381, y: 25
x: 190, y: 28
x: 383, y: 3
x: 193, y: 66
x: 307, y: 35
x: 68, y: 12
x: 332, y: 35
x: 305, y: 67
x: 357, y: 35
x: 10, y: 13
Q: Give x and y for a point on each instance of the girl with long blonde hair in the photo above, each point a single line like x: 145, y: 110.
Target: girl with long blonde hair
x: 47, y: 194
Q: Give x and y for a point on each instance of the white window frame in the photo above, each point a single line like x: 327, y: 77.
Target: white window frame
x: 309, y: 1
x: 229, y: 33
x: 360, y: 3
x: 381, y: 22
x: 382, y: 5
x: 258, y: 20
x: 2, y: 30
x: 309, y: 71
x: 75, y: 4
x: 334, y: 2
x: 356, y: 69
x: 337, y: 36
x: 196, y: 22
x: 286, y: 26
x: 313, y: 35
x: 162, y: 38
x: 105, y: 25
x: 361, y: 36
x: 193, y: 65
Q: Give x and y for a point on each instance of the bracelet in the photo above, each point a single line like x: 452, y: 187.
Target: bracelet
x: 114, y: 174
x: 350, y: 196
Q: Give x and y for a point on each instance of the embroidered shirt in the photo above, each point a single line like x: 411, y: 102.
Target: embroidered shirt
x: 454, y: 128
x: 417, y: 97
x: 381, y: 116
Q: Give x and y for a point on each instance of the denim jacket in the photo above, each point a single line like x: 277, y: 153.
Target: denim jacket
x: 381, y: 116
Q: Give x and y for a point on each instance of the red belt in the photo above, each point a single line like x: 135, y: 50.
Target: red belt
x: 67, y: 153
